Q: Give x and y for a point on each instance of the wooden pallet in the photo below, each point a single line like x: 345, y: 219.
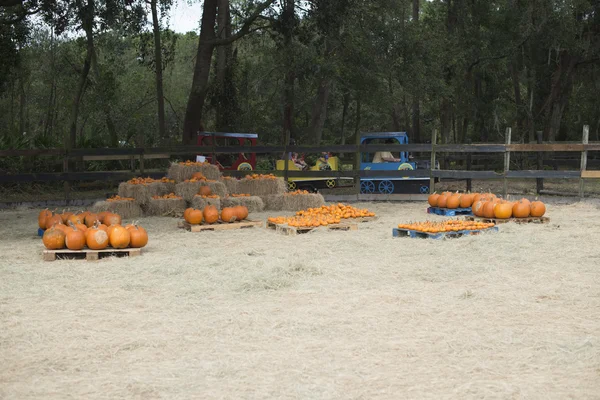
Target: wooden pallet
x: 535, y: 220
x: 89, y: 255
x: 449, y: 212
x: 292, y: 230
x: 219, y: 226
x: 397, y: 232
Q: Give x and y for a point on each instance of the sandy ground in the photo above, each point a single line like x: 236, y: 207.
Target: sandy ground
x: 252, y: 314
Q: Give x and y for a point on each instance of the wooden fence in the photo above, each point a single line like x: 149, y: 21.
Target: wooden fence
x: 137, y: 156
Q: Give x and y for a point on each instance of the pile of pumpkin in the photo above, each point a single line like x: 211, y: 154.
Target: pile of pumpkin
x: 145, y: 181
x: 210, y: 215
x: 322, y: 216
x: 488, y: 205
x: 239, y: 195
x: 167, y: 196
x: 206, y: 193
x: 189, y: 163
x: 197, y: 177
x: 297, y: 192
x: 451, y: 225
x: 261, y: 176
x: 96, y: 231
x: 119, y: 198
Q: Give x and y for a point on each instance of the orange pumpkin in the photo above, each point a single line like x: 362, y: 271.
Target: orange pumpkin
x: 433, y: 199
x: 102, y: 215
x: 62, y: 227
x: 478, y: 208
x: 139, y: 237
x: 526, y: 201
x: 75, y: 239
x: 91, y: 219
x: 488, y: 209
x: 112, y: 219
x: 466, y: 200
x: 75, y: 219
x: 453, y: 201
x: 198, y: 176
x: 119, y: 237
x: 186, y: 212
x: 521, y: 209
x: 42, y: 216
x: 65, y: 216
x: 228, y: 214
x: 96, y: 239
x: 204, y: 191
x: 211, y: 214
x: 81, y: 227
x: 503, y: 210
x: 476, y: 197
x: 241, y: 212
x: 442, y: 200
x: 56, y: 219
x: 194, y: 217
x: 54, y: 239
x: 538, y: 209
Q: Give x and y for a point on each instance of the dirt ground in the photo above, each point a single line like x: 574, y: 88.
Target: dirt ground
x: 252, y: 314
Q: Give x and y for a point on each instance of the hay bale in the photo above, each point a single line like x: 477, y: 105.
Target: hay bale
x: 181, y: 172
x: 230, y: 183
x: 254, y: 203
x: 302, y: 201
x: 262, y: 187
x: 142, y: 193
x: 198, y: 202
x: 188, y: 190
x: 127, y: 209
x: 273, y: 202
x: 166, y: 207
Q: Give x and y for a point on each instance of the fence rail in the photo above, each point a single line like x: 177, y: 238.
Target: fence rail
x: 141, y: 154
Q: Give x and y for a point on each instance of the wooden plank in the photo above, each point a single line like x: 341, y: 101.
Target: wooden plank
x: 543, y: 174
x: 471, y: 148
x: 31, y: 152
x: 292, y: 231
x: 506, y: 162
x: 590, y: 174
x: 89, y: 255
x: 220, y: 226
x: 584, y: 141
x: 540, y: 164
x: 449, y: 174
x: 545, y: 147
x: 539, y: 220
x: 432, y: 162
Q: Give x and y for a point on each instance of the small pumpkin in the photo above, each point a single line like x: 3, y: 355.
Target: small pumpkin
x: 194, y: 217
x: 228, y: 214
x: 433, y: 199
x: 54, y: 239
x: 112, y: 219
x: 81, y: 227
x: 442, y: 200
x: 91, y: 219
x: 503, y: 210
x: 75, y: 239
x: 119, y: 237
x: 75, y: 219
x: 453, y: 201
x: 138, y: 237
x: 521, y: 209
x: 488, y: 209
x: 466, y: 200
x: 186, y: 212
x: 204, y: 191
x: 538, y: 209
x: 96, y: 239
x: 478, y: 208
x: 53, y: 220
x: 198, y: 176
x: 42, y: 216
x: 211, y: 214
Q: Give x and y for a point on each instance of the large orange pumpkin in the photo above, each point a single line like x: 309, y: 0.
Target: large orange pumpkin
x: 466, y: 200
x: 96, y: 239
x: 75, y: 239
x: 110, y: 229
x: 112, y: 219
x: 211, y: 214
x: 538, y: 209
x: 186, y: 212
x: 42, y: 216
x: 139, y: 237
x: 228, y: 214
x: 521, y: 209
x: 478, y: 208
x: 204, y: 191
x: 453, y: 201
x: 433, y: 199
x: 54, y: 239
x: 488, y: 209
x: 119, y: 237
x: 442, y: 200
x: 503, y: 210
x: 194, y: 217
x: 241, y: 212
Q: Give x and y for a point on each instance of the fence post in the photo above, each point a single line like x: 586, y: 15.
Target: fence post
x: 142, y: 162
x: 67, y: 183
x: 356, y: 168
x: 287, y: 162
x: 586, y: 135
x: 506, y: 162
x: 432, y: 166
x: 540, y: 164
x: 469, y: 161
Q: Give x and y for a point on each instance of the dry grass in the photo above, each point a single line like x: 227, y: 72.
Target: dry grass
x: 273, y: 202
x: 199, y: 202
x: 353, y: 315
x: 302, y: 201
x: 254, y: 203
x: 230, y: 184
x: 182, y: 172
x: 166, y: 207
x: 125, y: 208
x: 261, y: 187
x: 188, y: 190
x: 143, y: 193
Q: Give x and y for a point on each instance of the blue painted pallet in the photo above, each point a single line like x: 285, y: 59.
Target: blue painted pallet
x: 40, y: 232
x: 449, y: 212
x: 397, y: 232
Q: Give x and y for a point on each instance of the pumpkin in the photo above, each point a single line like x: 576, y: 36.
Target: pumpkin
x: 75, y: 239
x: 476, y: 197
x: 119, y: 237
x: 521, y: 209
x: 194, y: 217
x: 112, y: 219
x: 466, y: 200
x: 526, y: 201
x: 453, y: 201
x: 83, y: 214
x: 442, y: 200
x: 42, y: 216
x: 110, y: 229
x: 204, y: 191
x: 75, y: 219
x: 53, y: 220
x: 503, y: 210
x: 478, y: 208
x: 538, y: 209
x: 138, y: 237
x: 91, y: 219
x: 96, y: 239
x: 228, y: 214
x: 103, y: 227
x: 198, y: 176
x: 81, y: 227
x: 211, y: 214
x: 488, y: 209
x: 102, y: 215
x: 65, y: 216
x: 433, y: 199
x: 54, y: 239
x: 186, y: 212
x: 62, y: 227
x: 241, y: 212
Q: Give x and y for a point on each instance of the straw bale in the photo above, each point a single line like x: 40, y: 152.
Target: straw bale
x: 188, y: 190
x: 127, y: 209
x: 182, y: 172
x: 262, y: 187
x: 231, y: 184
x: 273, y: 202
x: 302, y: 201
x: 198, y: 202
x: 166, y: 207
x: 253, y: 203
x: 143, y: 193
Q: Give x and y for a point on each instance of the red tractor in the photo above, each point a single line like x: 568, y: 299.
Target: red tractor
x: 231, y: 161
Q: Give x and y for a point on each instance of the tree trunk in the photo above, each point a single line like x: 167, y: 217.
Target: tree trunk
x: 194, y: 111
x: 319, y: 110
x: 395, y: 113
x: 346, y: 100
x: 160, y: 97
x: 288, y: 18
x: 225, y: 88
x: 416, y: 103
x: 357, y: 122
x: 446, y: 120
x: 22, y: 105
x: 562, y: 83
